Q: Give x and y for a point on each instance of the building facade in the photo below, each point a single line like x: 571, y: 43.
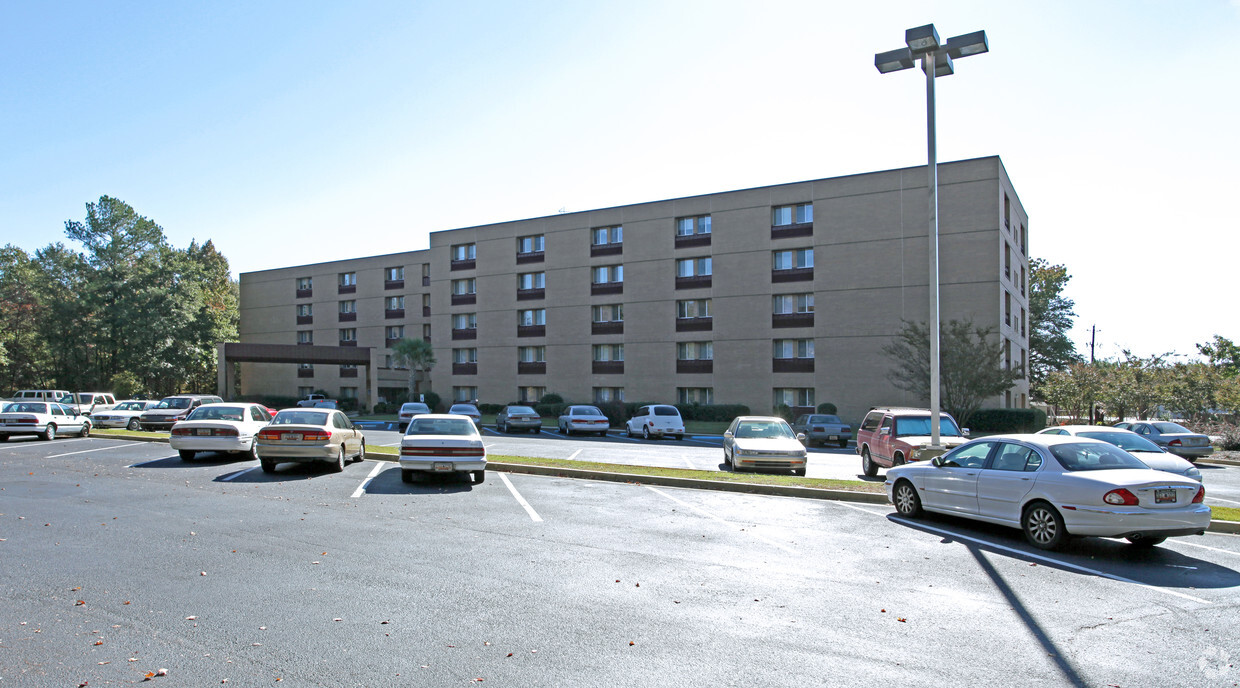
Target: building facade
x: 782, y: 294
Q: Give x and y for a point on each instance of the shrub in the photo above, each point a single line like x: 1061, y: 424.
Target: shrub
x: 785, y: 411
x: 490, y: 408
x: 1228, y: 432
x: 270, y: 400
x: 550, y: 410
x: 828, y: 407
x: 382, y: 407
x: 617, y: 412
x: 998, y: 420
x: 551, y: 398
x: 432, y: 401
x: 717, y: 413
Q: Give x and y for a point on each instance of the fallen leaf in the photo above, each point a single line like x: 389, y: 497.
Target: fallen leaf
x: 632, y: 643
x: 901, y: 619
x: 79, y: 603
x: 98, y: 642
x: 102, y: 663
x: 314, y: 562
x: 883, y: 611
x: 637, y: 585
x: 125, y: 602
x: 337, y: 619
x: 262, y: 628
x: 381, y: 623
x: 202, y: 573
x: 77, y: 588
x: 509, y: 654
x: 190, y: 618
x: 161, y: 672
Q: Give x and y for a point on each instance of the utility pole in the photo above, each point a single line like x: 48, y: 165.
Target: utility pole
x: 1093, y: 336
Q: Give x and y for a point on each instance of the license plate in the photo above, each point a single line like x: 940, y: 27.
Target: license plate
x: 1164, y: 496
x: 833, y: 437
x: 204, y: 431
x: 442, y: 466
x: 293, y: 436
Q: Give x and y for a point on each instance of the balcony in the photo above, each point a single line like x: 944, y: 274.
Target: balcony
x: 346, y: 288
x: 394, y: 284
x: 695, y: 366
x: 608, y: 367
x: 792, y: 320
x: 426, y: 280
x: 348, y: 342
x: 471, y: 333
x: 532, y: 257
x: 692, y: 240
x: 694, y: 324
x: 389, y: 342
x: 531, y: 294
x: 803, y: 229
x: 793, y: 275
x: 305, y: 372
x: 792, y: 365
x: 393, y: 313
x: 695, y: 282
x: 305, y: 319
x: 304, y: 293
x: 464, y: 264
x: 426, y: 311
x: 531, y: 330
x: 461, y: 300
x: 613, y: 327
x: 607, y: 288
x: 464, y: 368
x: 348, y: 372
x: 531, y: 367
x: 351, y: 316
x: 606, y: 250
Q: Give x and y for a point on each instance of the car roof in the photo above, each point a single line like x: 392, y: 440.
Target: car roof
x: 1088, y: 428
x: 453, y: 416
x: 1041, y: 440
x: 759, y: 418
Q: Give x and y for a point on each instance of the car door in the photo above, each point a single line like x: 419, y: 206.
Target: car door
x: 951, y: 483
x: 349, y: 435
x: 66, y: 420
x: 882, y: 441
x: 1005, y: 480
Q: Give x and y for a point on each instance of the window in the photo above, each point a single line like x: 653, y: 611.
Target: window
x: 464, y: 355
x: 608, y: 274
x: 348, y: 306
x: 530, y: 395
x: 532, y: 354
x: 786, y: 304
x: 1007, y: 211
x: 688, y: 226
x: 348, y: 392
x: 305, y: 310
x: 464, y: 394
x: 605, y: 394
x: 464, y: 252
x: 394, y: 274
x: 305, y: 337
x: 348, y: 334
x: 695, y: 395
x: 536, y: 316
x: 693, y: 308
x: 793, y: 348
x: 793, y: 396
x: 305, y: 284
x: 532, y: 280
x: 693, y: 267
x: 695, y: 351
x: 792, y: 214
x: 609, y: 352
x: 348, y: 279
x: 1007, y: 261
x: 609, y: 313
x: 465, y: 321
x: 464, y: 286
x: 395, y: 332
x: 603, y: 236
x: 304, y: 392
x: 306, y: 366
x: 788, y: 260
x: 530, y: 244
x: 1007, y: 308
x: 395, y: 303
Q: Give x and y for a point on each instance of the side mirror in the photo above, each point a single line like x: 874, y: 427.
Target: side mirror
x: 937, y: 461
x: 727, y: 434
x: 883, y: 432
x: 801, y: 437
x: 964, y: 431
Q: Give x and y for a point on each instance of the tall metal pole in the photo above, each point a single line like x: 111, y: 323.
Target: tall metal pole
x: 932, y: 171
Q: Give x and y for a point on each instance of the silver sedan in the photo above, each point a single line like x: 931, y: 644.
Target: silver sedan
x: 1173, y: 437
x: 753, y: 442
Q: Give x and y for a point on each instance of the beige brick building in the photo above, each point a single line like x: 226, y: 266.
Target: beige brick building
x: 783, y: 293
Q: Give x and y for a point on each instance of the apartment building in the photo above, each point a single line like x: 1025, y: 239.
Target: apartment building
x: 778, y: 294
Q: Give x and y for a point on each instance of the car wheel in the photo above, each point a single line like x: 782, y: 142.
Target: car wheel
x: 680, y: 438
x: 268, y: 466
x: 908, y: 502
x: 251, y: 454
x: 1043, y: 526
x: 187, y: 455
x: 867, y: 464
x: 406, y: 475
x: 49, y: 433
x: 1145, y: 542
x: 338, y: 465
x: 645, y: 432
x: 479, y: 477
x: 897, y: 460
x: 4, y: 438
x: 628, y: 430
x: 843, y: 444
x: 132, y: 425
x: 727, y: 460
x: 85, y: 430
x: 361, y: 453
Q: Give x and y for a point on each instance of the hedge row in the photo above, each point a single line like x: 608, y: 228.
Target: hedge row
x: 1007, y: 420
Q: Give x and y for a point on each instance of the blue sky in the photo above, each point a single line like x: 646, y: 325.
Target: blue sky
x: 299, y: 132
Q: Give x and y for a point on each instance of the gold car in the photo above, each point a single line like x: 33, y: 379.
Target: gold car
x: 310, y: 434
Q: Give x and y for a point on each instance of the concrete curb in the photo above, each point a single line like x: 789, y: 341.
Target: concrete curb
x: 695, y: 484
x: 1220, y: 462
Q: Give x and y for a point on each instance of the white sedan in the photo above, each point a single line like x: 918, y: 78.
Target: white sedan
x: 42, y: 418
x: 1150, y: 454
x: 442, y: 443
x: 124, y: 415
x: 583, y: 419
x: 222, y: 427
x: 763, y: 442
x: 1053, y: 487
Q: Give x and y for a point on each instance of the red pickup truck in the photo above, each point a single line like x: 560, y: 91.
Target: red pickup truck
x: 892, y: 436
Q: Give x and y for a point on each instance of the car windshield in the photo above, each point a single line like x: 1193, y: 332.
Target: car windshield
x: 1171, y: 428
x: 824, y: 419
x: 130, y: 406
x: 585, y: 411
x: 1093, y: 457
x: 666, y: 411
x: 27, y: 407
x: 463, y: 409
x: 520, y: 409
x: 441, y: 426
x: 300, y: 418
x: 234, y: 413
x: 754, y: 429
x: 414, y: 408
x: 908, y: 426
x: 1124, y: 440
x: 174, y: 403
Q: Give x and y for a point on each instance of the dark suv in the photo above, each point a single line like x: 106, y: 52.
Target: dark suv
x: 174, y: 408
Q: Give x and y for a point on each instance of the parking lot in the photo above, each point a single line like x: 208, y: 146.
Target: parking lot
x: 112, y: 551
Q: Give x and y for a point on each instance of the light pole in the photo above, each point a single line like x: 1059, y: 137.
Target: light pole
x: 936, y: 60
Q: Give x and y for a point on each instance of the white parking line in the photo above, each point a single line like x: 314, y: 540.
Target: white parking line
x: 575, y: 454
x: 238, y: 474
x: 713, y: 517
x: 379, y: 465
x: 87, y: 451
x: 520, y: 500
x: 689, y: 463
x: 1220, y: 499
x: 1181, y: 541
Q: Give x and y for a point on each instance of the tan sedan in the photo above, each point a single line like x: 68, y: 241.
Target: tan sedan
x: 310, y: 435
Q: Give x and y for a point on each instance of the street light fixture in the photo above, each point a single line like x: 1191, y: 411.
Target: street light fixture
x: 936, y: 60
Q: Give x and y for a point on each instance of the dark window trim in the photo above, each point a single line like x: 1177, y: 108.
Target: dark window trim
x: 463, y: 300
x: 305, y: 372
x: 464, y: 368
x: 394, y: 284
x: 531, y: 294
x: 393, y: 313
x: 464, y: 264
x: 346, y: 288
x: 793, y: 275
x: 305, y: 293
x: 606, y: 249
x: 305, y: 320
x: 531, y: 257
x: 465, y: 334
x: 348, y: 372
x: 531, y: 330
x: 803, y: 229
x: 607, y: 367
x: 695, y: 282
x: 695, y: 366
x: 610, y: 327
x: 607, y: 288
x: 694, y: 324
x: 426, y: 311
x: 779, y: 320
x: 531, y: 367
x: 691, y: 240
x: 348, y: 342
x: 792, y: 365
x: 351, y: 316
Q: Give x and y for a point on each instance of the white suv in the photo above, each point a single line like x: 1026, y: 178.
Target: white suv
x: 656, y: 420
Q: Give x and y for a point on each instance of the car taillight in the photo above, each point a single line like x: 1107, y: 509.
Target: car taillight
x: 316, y: 436
x: 1200, y: 496
x: 226, y: 432
x: 26, y: 419
x: 1175, y: 443
x: 1120, y: 496
x: 269, y: 434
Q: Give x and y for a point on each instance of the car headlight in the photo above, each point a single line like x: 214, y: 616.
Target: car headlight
x: 739, y: 452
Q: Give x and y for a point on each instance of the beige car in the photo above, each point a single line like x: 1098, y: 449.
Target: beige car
x: 304, y: 435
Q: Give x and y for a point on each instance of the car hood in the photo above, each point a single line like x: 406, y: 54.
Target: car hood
x: 770, y: 444
x: 924, y: 440
x: 1162, y: 461
x: 1132, y: 477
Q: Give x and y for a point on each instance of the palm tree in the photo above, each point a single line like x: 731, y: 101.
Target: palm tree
x: 417, y: 355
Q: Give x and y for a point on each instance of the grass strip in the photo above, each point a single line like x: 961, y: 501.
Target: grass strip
x: 113, y: 432
x: 1224, y: 513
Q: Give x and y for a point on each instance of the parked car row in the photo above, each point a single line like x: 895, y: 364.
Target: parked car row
x: 45, y: 419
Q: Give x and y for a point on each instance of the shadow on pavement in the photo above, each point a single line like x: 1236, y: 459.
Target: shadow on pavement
x: 389, y: 482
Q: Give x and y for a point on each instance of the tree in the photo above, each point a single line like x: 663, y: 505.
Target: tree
x: 418, y: 355
x: 20, y: 310
x: 1050, y: 319
x: 1224, y: 354
x: 970, y: 367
